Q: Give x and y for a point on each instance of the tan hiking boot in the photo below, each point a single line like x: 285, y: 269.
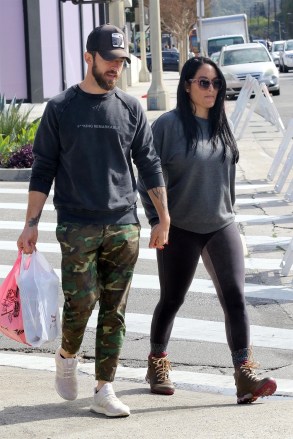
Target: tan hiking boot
x: 249, y: 386
x: 158, y: 376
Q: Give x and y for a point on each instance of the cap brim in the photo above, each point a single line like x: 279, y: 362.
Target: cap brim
x: 117, y: 53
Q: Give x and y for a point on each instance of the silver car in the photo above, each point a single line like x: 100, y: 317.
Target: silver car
x: 239, y: 60
x: 286, y: 57
x: 277, y: 46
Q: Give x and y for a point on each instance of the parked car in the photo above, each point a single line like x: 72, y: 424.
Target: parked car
x: 215, y: 57
x: 239, y: 60
x: 170, y: 60
x: 286, y: 57
x: 277, y: 46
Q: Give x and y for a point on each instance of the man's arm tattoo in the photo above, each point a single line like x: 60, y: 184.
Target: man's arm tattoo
x: 160, y: 194
x: 34, y: 221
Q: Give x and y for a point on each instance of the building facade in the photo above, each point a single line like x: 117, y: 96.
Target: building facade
x: 42, y: 43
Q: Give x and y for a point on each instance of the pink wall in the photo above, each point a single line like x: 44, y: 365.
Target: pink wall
x: 13, y: 80
x: 51, y: 56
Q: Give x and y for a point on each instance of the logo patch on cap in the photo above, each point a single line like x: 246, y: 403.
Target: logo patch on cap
x: 117, y: 40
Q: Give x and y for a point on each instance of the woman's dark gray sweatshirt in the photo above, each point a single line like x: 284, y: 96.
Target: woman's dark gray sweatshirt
x: 87, y: 142
x: 200, y: 185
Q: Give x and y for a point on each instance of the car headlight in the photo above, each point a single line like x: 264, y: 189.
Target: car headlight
x: 270, y: 73
x: 229, y: 76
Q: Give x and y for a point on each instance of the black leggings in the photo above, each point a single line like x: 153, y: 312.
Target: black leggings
x: 222, y: 254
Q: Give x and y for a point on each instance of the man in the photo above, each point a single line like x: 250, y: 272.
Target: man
x: 87, y: 139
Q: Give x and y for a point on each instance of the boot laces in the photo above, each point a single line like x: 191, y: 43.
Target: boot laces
x: 248, y: 370
x: 162, y: 367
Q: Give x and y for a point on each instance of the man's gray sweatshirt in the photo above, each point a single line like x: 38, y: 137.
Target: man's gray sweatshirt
x: 87, y: 142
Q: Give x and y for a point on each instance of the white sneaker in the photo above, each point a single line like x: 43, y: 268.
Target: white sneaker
x: 107, y: 403
x: 65, y: 378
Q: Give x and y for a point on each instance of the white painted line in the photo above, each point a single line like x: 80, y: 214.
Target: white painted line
x: 18, y: 225
x: 18, y: 191
x: 203, y: 286
x: 253, y: 201
x: 248, y: 186
x: 193, y: 381
x: 238, y: 185
x: 13, y: 191
x: 150, y: 254
x: 263, y: 219
x: 251, y: 241
x: 23, y: 206
x: 46, y: 247
x: 255, y: 219
x: 205, y: 330
x: 267, y: 241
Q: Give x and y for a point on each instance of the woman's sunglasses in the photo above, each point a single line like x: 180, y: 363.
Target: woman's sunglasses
x: 205, y: 83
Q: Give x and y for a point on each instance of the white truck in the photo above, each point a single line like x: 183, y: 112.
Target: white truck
x: 216, y: 32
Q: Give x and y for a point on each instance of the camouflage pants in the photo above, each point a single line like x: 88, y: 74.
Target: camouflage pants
x: 97, y: 265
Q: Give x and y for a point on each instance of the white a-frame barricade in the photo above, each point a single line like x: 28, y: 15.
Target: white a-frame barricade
x: 262, y: 104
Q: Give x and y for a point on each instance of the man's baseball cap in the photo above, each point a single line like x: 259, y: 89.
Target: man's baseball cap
x: 109, y: 41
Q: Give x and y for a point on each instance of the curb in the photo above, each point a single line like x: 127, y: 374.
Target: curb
x: 15, y: 174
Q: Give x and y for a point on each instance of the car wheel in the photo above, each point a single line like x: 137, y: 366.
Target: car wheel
x: 285, y: 69
x: 276, y: 92
x: 280, y: 68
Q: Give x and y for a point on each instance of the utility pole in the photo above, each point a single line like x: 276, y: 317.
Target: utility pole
x: 200, y: 14
x: 117, y: 18
x: 157, y: 96
x: 269, y: 15
x: 144, y: 75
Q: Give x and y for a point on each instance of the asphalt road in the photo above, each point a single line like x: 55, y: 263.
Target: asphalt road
x: 284, y: 101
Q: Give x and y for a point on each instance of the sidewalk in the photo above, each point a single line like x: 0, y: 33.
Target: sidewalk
x: 30, y: 407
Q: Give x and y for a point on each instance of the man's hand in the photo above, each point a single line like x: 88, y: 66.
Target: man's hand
x: 160, y: 232
x: 29, y: 236
x: 28, y: 239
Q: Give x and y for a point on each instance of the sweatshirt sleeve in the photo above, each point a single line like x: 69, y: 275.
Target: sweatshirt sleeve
x: 149, y: 208
x: 144, y: 155
x: 46, y: 151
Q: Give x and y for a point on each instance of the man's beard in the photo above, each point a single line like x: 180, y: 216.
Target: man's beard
x: 100, y: 80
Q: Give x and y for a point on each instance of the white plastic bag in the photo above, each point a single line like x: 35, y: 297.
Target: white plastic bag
x: 39, y: 287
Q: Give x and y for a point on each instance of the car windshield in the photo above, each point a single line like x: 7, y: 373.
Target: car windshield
x: 245, y: 56
x: 278, y: 47
x: 289, y: 45
x: 216, y: 44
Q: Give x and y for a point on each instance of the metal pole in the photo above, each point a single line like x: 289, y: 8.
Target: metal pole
x: 157, y: 96
x: 269, y: 13
x: 144, y: 75
x: 117, y: 18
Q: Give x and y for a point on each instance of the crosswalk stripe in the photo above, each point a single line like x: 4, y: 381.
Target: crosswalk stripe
x: 150, y: 254
x: 194, y: 381
x: 255, y: 219
x: 244, y: 201
x: 17, y: 191
x: 206, y: 330
x: 204, y: 286
x: 238, y: 186
x: 251, y: 241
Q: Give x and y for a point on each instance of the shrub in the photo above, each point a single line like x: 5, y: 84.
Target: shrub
x: 17, y: 135
x: 23, y: 158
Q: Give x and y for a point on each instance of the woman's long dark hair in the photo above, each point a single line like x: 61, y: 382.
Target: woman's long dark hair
x: 219, y: 128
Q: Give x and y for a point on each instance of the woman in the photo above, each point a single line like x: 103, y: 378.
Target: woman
x: 199, y: 156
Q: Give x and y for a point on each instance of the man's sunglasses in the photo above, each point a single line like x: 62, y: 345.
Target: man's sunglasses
x: 205, y: 83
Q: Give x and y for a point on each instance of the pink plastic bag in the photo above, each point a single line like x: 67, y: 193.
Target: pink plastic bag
x: 11, y: 322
